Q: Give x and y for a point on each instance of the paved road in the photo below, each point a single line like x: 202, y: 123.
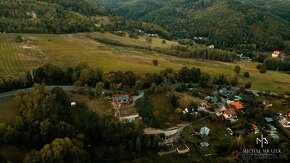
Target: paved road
x: 65, y: 88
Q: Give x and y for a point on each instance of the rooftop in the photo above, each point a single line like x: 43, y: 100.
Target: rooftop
x: 269, y: 119
x: 274, y: 136
x: 237, y: 105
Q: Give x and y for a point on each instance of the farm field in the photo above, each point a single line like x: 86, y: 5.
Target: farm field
x: 16, y: 57
x: 70, y: 49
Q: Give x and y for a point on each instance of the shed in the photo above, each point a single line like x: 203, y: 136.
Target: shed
x: 269, y: 119
x: 204, y: 131
x: 204, y: 144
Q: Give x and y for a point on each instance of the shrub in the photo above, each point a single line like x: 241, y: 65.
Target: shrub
x: 246, y: 74
x: 235, y: 81
x: 263, y: 70
x: 155, y: 62
x: 248, y: 85
x: 237, y: 69
x: 259, y: 66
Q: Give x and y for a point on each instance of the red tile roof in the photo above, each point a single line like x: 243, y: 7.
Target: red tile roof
x: 237, y: 105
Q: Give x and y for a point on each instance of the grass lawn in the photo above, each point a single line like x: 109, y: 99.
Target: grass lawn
x: 8, y: 109
x: 12, y: 153
x: 163, y: 110
x: 70, y: 49
x: 186, y: 100
x: 217, y: 135
x: 100, y: 106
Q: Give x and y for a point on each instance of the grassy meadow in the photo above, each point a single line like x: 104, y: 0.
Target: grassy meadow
x: 70, y: 49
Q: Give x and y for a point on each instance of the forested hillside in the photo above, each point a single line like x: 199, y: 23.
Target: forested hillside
x: 239, y: 24
x: 48, y: 16
x: 64, y: 16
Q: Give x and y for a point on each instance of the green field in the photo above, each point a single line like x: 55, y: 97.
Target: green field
x: 102, y: 107
x: 16, y: 57
x: 70, y: 49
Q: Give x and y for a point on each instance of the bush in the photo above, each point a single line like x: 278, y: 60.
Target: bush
x: 235, y: 81
x: 155, y: 62
x: 237, y: 69
x: 248, y: 85
x: 246, y: 74
x: 259, y: 66
x: 263, y: 70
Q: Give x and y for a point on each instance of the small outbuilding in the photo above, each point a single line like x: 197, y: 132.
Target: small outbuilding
x: 204, y: 131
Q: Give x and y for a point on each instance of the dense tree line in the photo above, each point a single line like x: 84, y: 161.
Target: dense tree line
x: 84, y: 75
x: 276, y: 64
x: 52, y: 130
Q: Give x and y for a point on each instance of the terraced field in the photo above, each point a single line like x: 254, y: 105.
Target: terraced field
x: 71, y: 49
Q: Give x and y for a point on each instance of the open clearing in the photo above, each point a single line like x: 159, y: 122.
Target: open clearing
x: 164, y: 110
x: 102, y: 107
x: 70, y: 49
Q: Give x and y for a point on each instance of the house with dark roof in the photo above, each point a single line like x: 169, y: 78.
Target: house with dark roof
x: 268, y: 119
x: 224, y: 91
x: 272, y: 129
x: 214, y: 99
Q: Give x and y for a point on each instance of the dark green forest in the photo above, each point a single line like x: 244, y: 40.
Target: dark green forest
x: 64, y: 16
x: 248, y: 25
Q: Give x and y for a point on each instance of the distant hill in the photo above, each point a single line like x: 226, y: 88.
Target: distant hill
x: 65, y: 16
x: 49, y: 16
x: 239, y: 24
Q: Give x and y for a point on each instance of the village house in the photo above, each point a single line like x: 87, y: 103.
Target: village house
x: 255, y: 128
x: 204, y: 131
x: 224, y: 91
x: 267, y: 104
x: 229, y: 113
x: 191, y: 109
x: 268, y: 119
x: 272, y: 129
x: 121, y: 99
x: 236, y: 105
x: 274, y: 136
x: 284, y: 122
